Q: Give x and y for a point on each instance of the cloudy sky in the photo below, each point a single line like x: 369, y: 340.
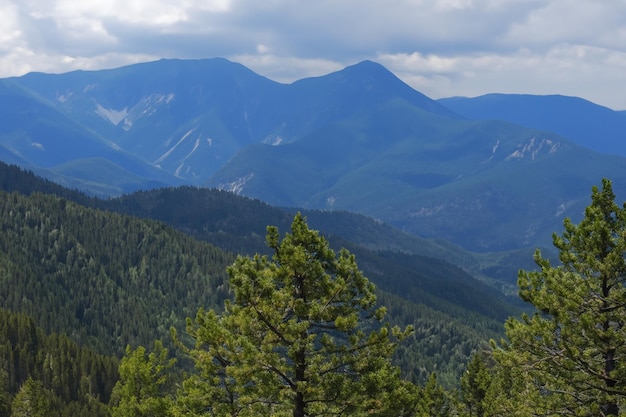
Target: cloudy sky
x: 440, y: 47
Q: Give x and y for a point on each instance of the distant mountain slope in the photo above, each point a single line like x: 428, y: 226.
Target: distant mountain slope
x: 37, y: 135
x: 189, y: 117
x: 182, y: 116
x: 587, y: 124
x: 486, y: 186
x: 238, y: 224
x: 313, y: 103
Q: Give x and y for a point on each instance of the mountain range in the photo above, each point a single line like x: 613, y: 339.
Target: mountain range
x: 490, y: 174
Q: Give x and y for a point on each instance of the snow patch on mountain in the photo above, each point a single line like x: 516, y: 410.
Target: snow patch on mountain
x: 62, y: 98
x: 427, y: 211
x: 495, y: 147
x: 112, y: 115
x: 533, y: 148
x: 563, y: 207
x: 273, y: 140
x: 195, y: 148
x: 184, y: 168
x: 115, y: 146
x: 145, y: 107
x: 170, y: 150
x: 236, y: 186
x: 493, y: 151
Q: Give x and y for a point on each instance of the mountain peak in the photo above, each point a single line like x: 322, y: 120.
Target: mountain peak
x: 370, y: 81
x: 370, y: 70
x: 367, y: 65
x: 373, y: 72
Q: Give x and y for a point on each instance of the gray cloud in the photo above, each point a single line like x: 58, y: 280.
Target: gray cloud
x: 440, y: 47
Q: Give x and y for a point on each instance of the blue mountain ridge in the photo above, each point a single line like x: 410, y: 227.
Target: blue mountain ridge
x: 588, y: 124
x: 358, y: 139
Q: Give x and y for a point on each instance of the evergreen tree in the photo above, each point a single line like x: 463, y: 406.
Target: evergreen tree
x: 572, y: 350
x: 512, y: 391
x: 5, y: 395
x: 302, y: 337
x: 433, y: 400
x: 33, y: 400
x: 143, y: 386
x: 474, y: 385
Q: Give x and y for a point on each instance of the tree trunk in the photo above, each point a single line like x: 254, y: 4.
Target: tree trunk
x: 299, y: 409
x: 610, y: 409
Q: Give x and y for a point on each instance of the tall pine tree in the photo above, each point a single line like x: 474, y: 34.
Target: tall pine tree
x: 572, y: 350
x: 302, y: 337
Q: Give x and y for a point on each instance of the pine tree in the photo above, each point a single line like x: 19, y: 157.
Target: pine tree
x: 433, y: 400
x: 5, y: 395
x: 33, y: 400
x: 143, y: 386
x: 302, y: 337
x: 572, y: 350
x: 474, y: 385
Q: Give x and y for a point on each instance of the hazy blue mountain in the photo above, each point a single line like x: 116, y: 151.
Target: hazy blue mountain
x: 35, y: 134
x: 483, y: 185
x: 358, y: 139
x: 315, y: 102
x: 185, y: 117
x: 590, y: 125
x: 190, y: 117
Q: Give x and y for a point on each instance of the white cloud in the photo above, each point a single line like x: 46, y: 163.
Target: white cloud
x: 589, y: 22
x: 9, y: 27
x: 441, y: 47
x: 563, y: 69
x: 153, y: 13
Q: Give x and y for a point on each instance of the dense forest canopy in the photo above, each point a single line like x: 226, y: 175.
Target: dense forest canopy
x: 85, y: 271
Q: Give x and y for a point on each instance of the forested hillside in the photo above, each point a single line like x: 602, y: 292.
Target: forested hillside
x: 85, y: 272
x: 238, y: 223
x: 52, y: 370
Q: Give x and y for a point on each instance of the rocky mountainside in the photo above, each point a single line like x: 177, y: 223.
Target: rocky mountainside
x: 587, y: 124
